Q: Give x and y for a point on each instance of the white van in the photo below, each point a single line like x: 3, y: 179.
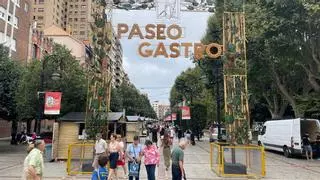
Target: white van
x: 286, y: 135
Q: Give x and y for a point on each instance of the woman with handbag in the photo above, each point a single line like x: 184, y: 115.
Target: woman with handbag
x: 134, y: 158
x: 151, y: 159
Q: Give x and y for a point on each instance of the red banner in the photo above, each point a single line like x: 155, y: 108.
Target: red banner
x: 185, y: 112
x: 170, y: 117
x: 52, y: 103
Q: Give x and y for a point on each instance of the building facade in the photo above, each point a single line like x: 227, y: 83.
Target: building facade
x: 163, y: 110
x: 155, y: 106
x: 39, y: 45
x: 79, y: 18
x: 77, y: 47
x: 15, y: 27
x: 48, y: 12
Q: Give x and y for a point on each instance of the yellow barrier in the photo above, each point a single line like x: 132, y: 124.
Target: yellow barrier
x: 80, y: 158
x: 237, y: 161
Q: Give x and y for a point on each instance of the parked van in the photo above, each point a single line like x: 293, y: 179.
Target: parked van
x: 286, y: 135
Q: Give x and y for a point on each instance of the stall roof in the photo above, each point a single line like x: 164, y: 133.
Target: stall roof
x: 80, y: 116
x: 133, y: 118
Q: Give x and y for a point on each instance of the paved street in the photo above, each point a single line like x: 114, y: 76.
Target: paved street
x: 196, y: 165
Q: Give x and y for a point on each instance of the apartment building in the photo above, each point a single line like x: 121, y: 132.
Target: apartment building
x: 79, y: 18
x: 163, y: 110
x: 48, y: 12
x: 155, y: 106
x: 15, y: 27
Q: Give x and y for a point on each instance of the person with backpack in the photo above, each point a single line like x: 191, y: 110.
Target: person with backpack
x: 102, y: 172
x: 134, y: 158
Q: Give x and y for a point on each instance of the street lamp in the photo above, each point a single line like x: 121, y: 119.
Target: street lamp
x: 41, y: 98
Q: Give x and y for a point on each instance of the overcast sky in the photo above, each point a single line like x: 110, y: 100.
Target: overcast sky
x: 156, y: 76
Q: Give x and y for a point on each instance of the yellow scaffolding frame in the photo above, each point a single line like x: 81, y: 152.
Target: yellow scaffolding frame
x: 219, y: 168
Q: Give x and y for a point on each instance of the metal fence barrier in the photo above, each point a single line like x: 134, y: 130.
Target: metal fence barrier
x: 80, y: 158
x: 237, y: 161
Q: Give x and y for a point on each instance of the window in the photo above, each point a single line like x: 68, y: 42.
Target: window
x: 40, y: 17
x: 83, y: 6
x: 83, y: 12
x: 70, y: 19
x: 76, y: 19
x: 76, y: 6
x: 70, y: 12
x: 41, y: 1
x: 82, y: 32
x: 34, y: 17
x: 83, y: 0
x: 15, y: 22
x: 40, y: 10
x: 82, y: 131
x: 263, y: 131
x: 75, y: 12
x: 34, y: 9
x: 57, y: 21
x: 71, y: 6
x: 75, y: 32
x: 39, y: 25
x: 9, y: 18
x: 82, y: 26
x: 26, y: 7
x: 2, y: 13
x: 83, y: 19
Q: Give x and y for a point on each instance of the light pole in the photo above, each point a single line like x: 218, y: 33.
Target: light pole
x: 41, y: 95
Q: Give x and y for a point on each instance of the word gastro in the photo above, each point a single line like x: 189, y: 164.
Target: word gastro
x: 163, y: 32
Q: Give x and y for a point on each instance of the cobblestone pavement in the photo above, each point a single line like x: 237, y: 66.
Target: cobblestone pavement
x: 196, y: 164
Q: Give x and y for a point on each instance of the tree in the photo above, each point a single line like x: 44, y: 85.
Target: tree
x: 129, y: 98
x: 72, y: 83
x: 10, y: 73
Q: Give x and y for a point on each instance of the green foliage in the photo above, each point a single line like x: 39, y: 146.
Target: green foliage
x: 10, y: 73
x: 128, y: 98
x: 27, y: 91
x: 72, y: 83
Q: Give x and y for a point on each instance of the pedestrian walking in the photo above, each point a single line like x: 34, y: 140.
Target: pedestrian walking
x: 114, y: 150
x: 151, y: 159
x: 177, y: 156
x: 102, y: 172
x: 33, y: 163
x: 307, y: 146
x: 179, y: 134
x: 155, y: 134
x: 166, y: 144
x: 122, y: 160
x: 100, y: 148
x: 134, y: 153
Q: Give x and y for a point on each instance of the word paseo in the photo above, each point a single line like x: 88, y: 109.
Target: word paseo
x: 162, y: 32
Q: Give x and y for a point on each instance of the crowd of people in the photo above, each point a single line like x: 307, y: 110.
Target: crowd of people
x: 116, y: 153
x: 129, y: 158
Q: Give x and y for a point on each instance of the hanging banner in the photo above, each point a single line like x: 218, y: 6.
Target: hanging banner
x: 185, y: 112
x: 170, y: 117
x: 52, y: 103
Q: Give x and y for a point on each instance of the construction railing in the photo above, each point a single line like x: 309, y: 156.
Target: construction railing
x: 80, y: 158
x: 237, y: 161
